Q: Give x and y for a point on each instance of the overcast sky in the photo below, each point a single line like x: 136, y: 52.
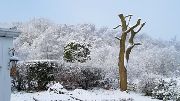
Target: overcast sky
x: 162, y: 16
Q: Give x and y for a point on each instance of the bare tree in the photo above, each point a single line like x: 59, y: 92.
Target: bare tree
x: 125, y: 51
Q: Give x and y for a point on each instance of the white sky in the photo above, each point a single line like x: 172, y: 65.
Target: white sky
x: 162, y: 16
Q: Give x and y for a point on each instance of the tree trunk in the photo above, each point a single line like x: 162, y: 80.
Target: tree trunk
x: 122, y: 68
x: 123, y: 78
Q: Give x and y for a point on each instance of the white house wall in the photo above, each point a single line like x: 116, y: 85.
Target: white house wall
x: 5, y: 81
x: 1, y: 75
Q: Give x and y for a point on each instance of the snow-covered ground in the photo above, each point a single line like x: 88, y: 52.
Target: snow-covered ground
x: 81, y: 95
x: 60, y: 94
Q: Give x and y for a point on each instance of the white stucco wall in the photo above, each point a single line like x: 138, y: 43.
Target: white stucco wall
x: 5, y: 80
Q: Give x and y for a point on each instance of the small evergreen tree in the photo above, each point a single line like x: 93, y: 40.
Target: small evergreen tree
x: 76, y: 52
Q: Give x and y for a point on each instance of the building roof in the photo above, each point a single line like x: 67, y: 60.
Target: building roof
x: 9, y: 32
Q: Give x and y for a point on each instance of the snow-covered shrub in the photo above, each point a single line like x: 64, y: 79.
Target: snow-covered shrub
x: 146, y: 84
x: 57, y: 88
x: 165, y: 90
x: 106, y: 84
x: 159, y: 87
x: 36, y: 76
x: 19, y: 82
x: 132, y: 87
x: 39, y: 75
x: 84, y: 77
x: 90, y: 77
x: 67, y: 76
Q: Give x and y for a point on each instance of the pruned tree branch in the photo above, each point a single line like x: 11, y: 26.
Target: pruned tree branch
x: 137, y: 44
x: 118, y: 38
x: 142, y: 25
x: 117, y: 27
x: 76, y: 98
x: 133, y: 27
x: 133, y: 33
x: 129, y: 19
x: 128, y: 50
x: 130, y: 15
x: 131, y: 39
x: 35, y: 99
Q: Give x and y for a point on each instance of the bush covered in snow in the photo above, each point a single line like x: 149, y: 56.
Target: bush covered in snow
x: 57, y: 88
x: 39, y: 75
x: 79, y: 77
x: 166, y: 90
x: 36, y: 76
x: 162, y: 89
x: 146, y: 85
